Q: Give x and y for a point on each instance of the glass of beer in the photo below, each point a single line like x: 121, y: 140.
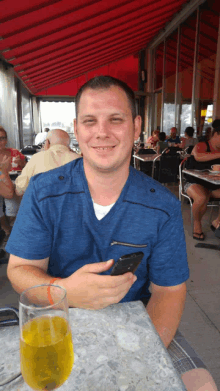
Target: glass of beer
x: 46, y: 348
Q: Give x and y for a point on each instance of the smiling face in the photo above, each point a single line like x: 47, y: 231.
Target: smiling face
x: 105, y: 129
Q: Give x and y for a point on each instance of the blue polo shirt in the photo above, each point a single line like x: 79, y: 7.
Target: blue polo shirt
x: 56, y: 219
x: 176, y: 140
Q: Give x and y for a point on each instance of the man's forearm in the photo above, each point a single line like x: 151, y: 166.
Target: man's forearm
x: 165, y: 312
x: 6, y: 186
x: 23, y: 277
x: 206, y: 156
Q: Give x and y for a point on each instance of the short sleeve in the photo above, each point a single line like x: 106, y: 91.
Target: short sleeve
x: 22, y: 181
x: 201, y: 147
x: 21, y: 156
x: 168, y: 264
x: 31, y: 237
x: 15, y: 153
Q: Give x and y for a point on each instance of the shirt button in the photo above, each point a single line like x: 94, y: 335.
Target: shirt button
x: 152, y: 190
x: 61, y: 177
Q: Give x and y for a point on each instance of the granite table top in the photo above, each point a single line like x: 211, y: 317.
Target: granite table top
x: 205, y: 175
x: 116, y: 349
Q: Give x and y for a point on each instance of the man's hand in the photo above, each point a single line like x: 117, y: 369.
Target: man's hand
x: 87, y: 289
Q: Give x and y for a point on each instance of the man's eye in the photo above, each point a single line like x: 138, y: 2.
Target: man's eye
x: 116, y: 120
x: 89, y: 121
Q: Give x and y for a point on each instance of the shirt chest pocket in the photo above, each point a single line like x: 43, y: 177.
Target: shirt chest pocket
x: 121, y: 248
x: 134, y: 245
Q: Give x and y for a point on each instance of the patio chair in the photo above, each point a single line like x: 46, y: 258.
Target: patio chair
x: 132, y: 158
x: 146, y: 167
x: 168, y: 169
x: 146, y: 151
x: 189, y: 149
x: 9, y: 316
x: 29, y: 149
x: 182, y: 193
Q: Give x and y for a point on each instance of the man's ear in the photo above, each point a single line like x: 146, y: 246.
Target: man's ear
x: 75, y: 129
x: 137, y: 127
x: 47, y: 145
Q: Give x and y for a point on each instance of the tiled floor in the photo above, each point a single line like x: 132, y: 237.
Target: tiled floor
x: 200, y: 323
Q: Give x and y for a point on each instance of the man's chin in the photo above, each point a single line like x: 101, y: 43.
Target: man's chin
x: 107, y: 167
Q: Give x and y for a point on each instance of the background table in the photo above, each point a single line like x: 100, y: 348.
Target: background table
x: 116, y: 349
x: 205, y: 175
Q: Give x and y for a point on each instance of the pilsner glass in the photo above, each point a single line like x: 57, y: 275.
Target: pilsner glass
x: 46, y: 348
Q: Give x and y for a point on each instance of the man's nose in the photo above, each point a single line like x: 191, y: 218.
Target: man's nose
x: 102, y: 129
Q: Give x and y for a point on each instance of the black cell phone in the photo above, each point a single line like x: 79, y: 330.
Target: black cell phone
x: 127, y: 263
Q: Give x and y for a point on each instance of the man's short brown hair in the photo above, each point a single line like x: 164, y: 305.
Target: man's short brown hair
x: 105, y: 82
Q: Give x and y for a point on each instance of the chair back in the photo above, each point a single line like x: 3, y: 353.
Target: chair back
x: 168, y: 168
x: 172, y: 150
x: 189, y: 149
x: 132, y: 158
x: 146, y: 167
x: 147, y: 151
x: 9, y: 316
x: 29, y: 150
x: 181, y: 181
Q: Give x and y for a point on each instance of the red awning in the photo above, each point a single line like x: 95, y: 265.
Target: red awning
x: 55, y: 41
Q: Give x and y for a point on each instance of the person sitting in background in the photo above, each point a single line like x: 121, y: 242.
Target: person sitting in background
x: 188, y: 140
x: 17, y: 161
x: 6, y: 191
x: 174, y: 139
x: 56, y: 153
x: 216, y: 223
x: 6, y: 185
x: 41, y: 137
x: 153, y: 139
x: 204, y: 154
x: 161, y: 144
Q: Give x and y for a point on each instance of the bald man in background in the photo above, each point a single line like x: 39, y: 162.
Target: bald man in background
x: 56, y: 153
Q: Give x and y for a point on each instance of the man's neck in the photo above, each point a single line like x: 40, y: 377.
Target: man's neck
x: 105, y: 187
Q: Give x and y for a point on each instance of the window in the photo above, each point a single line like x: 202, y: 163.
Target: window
x: 59, y: 115
x: 169, y: 82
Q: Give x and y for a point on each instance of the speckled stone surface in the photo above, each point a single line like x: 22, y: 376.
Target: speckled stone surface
x: 116, y: 349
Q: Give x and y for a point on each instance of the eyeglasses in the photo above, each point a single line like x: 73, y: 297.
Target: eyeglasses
x: 3, y: 138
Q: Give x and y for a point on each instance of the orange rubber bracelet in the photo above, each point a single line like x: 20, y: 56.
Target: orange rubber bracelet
x: 48, y: 289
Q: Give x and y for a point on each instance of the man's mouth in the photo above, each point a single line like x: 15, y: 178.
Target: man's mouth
x: 104, y: 148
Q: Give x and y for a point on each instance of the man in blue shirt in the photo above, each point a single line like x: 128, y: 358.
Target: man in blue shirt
x: 174, y: 139
x: 76, y: 219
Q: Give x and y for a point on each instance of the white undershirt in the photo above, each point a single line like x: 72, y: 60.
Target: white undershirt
x: 101, y: 211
